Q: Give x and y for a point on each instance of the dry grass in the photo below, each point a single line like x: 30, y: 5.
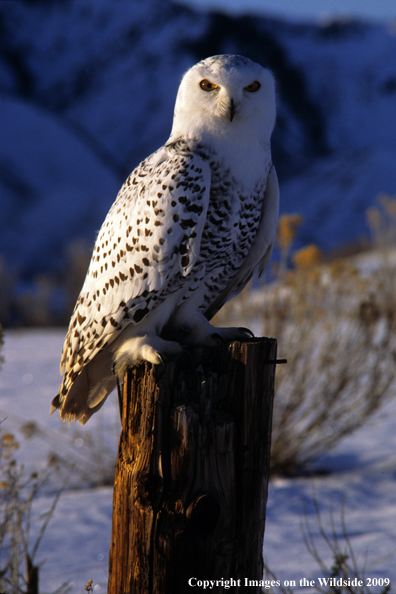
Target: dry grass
x: 344, y: 574
x: 18, y: 490
x: 90, y: 453
x: 335, y: 325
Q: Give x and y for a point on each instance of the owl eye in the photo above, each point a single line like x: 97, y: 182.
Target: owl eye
x: 208, y: 86
x: 253, y: 87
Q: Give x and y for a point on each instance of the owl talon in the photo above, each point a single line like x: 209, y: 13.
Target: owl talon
x: 218, y: 339
x: 246, y: 331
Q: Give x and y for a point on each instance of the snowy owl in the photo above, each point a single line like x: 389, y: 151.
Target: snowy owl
x: 190, y: 226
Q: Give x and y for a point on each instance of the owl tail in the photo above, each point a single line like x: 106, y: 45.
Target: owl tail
x: 87, y: 393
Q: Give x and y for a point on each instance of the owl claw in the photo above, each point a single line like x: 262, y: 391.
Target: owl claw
x: 246, y: 331
x: 218, y: 339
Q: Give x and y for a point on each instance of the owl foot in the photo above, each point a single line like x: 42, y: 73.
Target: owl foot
x: 225, y: 335
x: 204, y: 334
x: 237, y: 334
x: 151, y: 348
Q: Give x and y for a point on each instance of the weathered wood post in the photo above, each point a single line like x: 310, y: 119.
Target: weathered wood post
x: 192, y: 471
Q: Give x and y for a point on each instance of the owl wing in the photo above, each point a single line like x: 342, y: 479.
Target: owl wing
x: 260, y: 252
x: 151, y: 233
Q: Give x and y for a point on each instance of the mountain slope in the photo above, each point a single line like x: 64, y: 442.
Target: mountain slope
x: 87, y: 90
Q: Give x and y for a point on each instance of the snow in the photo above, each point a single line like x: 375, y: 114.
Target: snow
x: 76, y: 544
x: 362, y: 477
x: 359, y: 472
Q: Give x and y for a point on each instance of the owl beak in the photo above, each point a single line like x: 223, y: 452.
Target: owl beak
x: 232, y: 109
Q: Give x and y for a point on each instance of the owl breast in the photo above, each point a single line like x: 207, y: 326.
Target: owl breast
x: 231, y: 224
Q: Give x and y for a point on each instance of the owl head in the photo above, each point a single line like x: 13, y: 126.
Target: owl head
x: 224, y: 94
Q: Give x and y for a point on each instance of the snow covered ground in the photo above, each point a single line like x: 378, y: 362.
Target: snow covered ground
x: 361, y: 472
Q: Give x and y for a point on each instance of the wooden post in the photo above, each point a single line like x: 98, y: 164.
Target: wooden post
x: 191, y: 480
